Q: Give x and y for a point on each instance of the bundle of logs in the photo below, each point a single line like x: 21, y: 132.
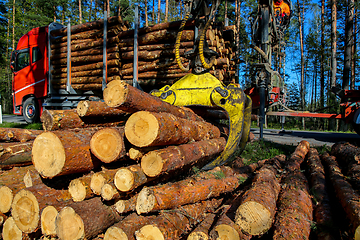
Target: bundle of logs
x: 128, y: 168
x: 156, y: 53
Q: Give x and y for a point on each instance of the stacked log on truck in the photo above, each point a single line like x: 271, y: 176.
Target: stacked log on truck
x: 156, y: 54
x: 83, y: 184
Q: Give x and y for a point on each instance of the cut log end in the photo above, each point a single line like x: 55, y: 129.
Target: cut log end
x: 69, y: 225
x: 25, y: 211
x: 224, y: 231
x: 357, y: 233
x: 10, y: 230
x: 141, y: 129
x: 124, y: 180
x: 77, y: 190
x: 6, y: 199
x: 253, y: 218
x: 28, y: 180
x: 47, y: 120
x: 145, y: 201
x: 199, y: 236
x: 108, y: 192
x: 152, y: 164
x: 115, y: 233
x: 149, y: 232
x: 107, y: 145
x: 115, y: 93
x: 48, y: 216
x: 82, y: 108
x: 48, y: 154
x: 97, y: 182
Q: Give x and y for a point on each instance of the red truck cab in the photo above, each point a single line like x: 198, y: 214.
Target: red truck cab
x: 29, y: 65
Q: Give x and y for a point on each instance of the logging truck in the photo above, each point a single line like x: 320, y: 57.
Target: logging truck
x: 32, y: 89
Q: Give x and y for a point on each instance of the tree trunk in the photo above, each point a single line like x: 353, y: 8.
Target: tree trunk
x: 127, y: 98
x: 130, y: 177
x: 332, y: 122
x: 182, y: 157
x: 159, y: 11
x: 322, y: 208
x: 166, y: 10
x: 190, y: 190
x: 91, y: 66
x: 344, y: 192
x: 97, y: 109
x: 202, y: 229
x: 80, y: 12
x: 28, y: 204
x: 124, y: 206
x: 79, y: 188
x: 256, y: 213
x: 298, y: 156
x: 294, y: 215
x: 11, y: 231
x: 99, y: 179
x: 69, y: 119
x: 302, y: 84
x: 15, y: 154
x: 108, y: 144
x: 147, y: 129
x: 18, y: 134
x: 60, y: 153
x: 85, y: 220
x: 348, y: 44
x: 353, y: 53
x: 322, y: 62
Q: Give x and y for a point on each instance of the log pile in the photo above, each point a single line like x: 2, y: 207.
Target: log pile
x: 84, y: 184
x: 156, y: 54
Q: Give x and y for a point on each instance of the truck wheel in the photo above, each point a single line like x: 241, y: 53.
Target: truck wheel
x: 31, y: 111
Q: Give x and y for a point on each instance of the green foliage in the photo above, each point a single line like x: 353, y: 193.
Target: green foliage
x: 36, y: 126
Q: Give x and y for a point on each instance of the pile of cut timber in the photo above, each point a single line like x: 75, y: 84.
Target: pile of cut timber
x: 156, y: 53
x: 137, y: 179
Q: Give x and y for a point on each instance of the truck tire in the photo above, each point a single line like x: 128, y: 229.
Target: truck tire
x: 31, y: 111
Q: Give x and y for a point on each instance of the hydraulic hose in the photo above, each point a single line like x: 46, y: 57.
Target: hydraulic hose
x: 201, y: 47
x: 177, y: 44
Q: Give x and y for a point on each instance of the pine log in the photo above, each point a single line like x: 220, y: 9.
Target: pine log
x: 99, y: 179
x: 294, y: 217
x: 158, y: 46
x: 66, y: 119
x: 85, y: 59
x: 152, y: 54
x: 123, y: 206
x: 345, y: 193
x: 87, y: 26
x: 92, y: 51
x: 157, y: 74
x: 202, y: 230
x: 110, y: 192
x: 87, y: 67
x: 47, y: 220
x: 28, y: 204
x: 97, y: 109
x: 64, y: 152
x: 128, y: 178
x: 150, y: 66
x: 85, y: 220
x: 79, y: 188
x: 147, y: 129
x: 298, y: 156
x: 177, y: 158
x: 322, y: 208
x: 93, y: 72
x: 10, y: 231
x: 348, y: 157
x: 14, y: 154
x: 81, y: 87
x: 127, y: 98
x: 257, y: 210
x: 172, y: 225
x: 193, y: 189
x: 108, y: 145
x: 18, y: 134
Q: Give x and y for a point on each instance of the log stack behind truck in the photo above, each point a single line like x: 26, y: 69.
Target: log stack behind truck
x: 55, y: 69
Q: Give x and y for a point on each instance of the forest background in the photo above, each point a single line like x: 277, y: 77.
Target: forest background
x: 321, y: 45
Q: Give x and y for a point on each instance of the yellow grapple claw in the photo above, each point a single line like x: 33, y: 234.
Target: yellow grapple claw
x: 206, y: 90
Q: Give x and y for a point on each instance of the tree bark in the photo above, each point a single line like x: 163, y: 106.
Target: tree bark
x: 85, y: 220
x: 130, y: 177
x: 298, y: 156
x: 147, y: 129
x: 302, y: 86
x: 295, y: 208
x: 202, y: 229
x: 182, y: 157
x: 344, y: 192
x: 108, y: 144
x: 124, y: 206
x: 15, y: 154
x: 348, y: 44
x: 99, y: 179
x: 60, y: 153
x: 18, y: 134
x: 256, y: 213
x: 127, y: 98
x: 69, y: 119
x: 97, y: 109
x: 190, y: 190
x: 322, y: 208
x: 28, y: 204
x: 87, y: 67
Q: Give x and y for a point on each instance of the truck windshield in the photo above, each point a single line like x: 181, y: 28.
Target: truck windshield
x: 22, y: 59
